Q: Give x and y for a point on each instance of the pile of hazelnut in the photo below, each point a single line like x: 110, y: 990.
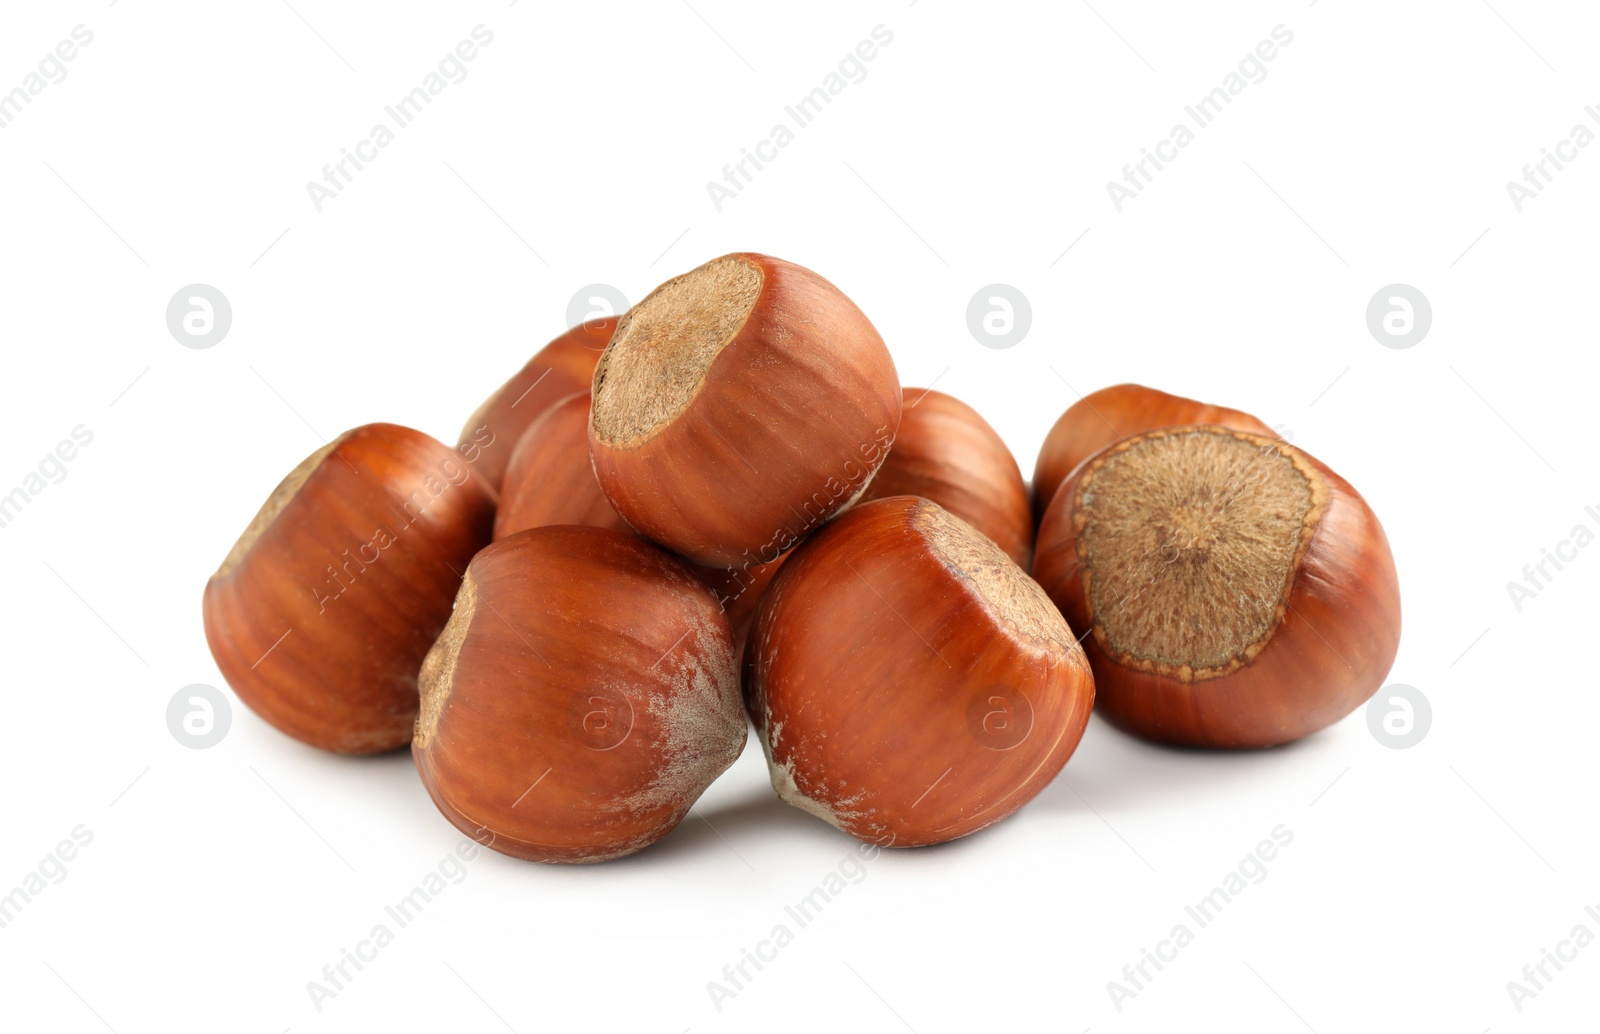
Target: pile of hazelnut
x: 722, y: 505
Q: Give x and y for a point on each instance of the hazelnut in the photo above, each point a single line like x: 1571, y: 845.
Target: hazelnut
x: 582, y: 697
x: 908, y: 682
x: 1235, y: 591
x: 740, y: 406
x: 324, y: 608
x: 550, y: 479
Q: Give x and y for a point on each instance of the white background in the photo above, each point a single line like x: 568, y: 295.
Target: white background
x: 976, y: 151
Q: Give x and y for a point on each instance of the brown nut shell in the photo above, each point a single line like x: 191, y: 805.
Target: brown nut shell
x: 1107, y: 416
x: 909, y: 683
x: 739, y: 407
x: 550, y: 479
x: 1236, y: 592
x: 581, y: 699
x: 948, y: 453
x: 557, y: 370
x: 323, y: 610
x: 739, y: 590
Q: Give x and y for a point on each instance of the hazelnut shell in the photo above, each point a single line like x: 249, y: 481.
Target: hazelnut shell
x: 557, y: 370
x: 1334, y: 638
x: 948, y: 453
x: 1107, y: 416
x: 550, y: 479
x: 908, y: 682
x: 581, y: 699
x: 725, y: 437
x: 323, y: 610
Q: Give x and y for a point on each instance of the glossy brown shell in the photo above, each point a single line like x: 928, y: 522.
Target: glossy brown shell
x: 948, y: 453
x: 740, y: 590
x: 564, y: 366
x: 582, y: 699
x: 890, y: 699
x: 1107, y: 416
x: 1336, y: 642
x: 319, y: 627
x: 792, y: 418
x: 550, y: 479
